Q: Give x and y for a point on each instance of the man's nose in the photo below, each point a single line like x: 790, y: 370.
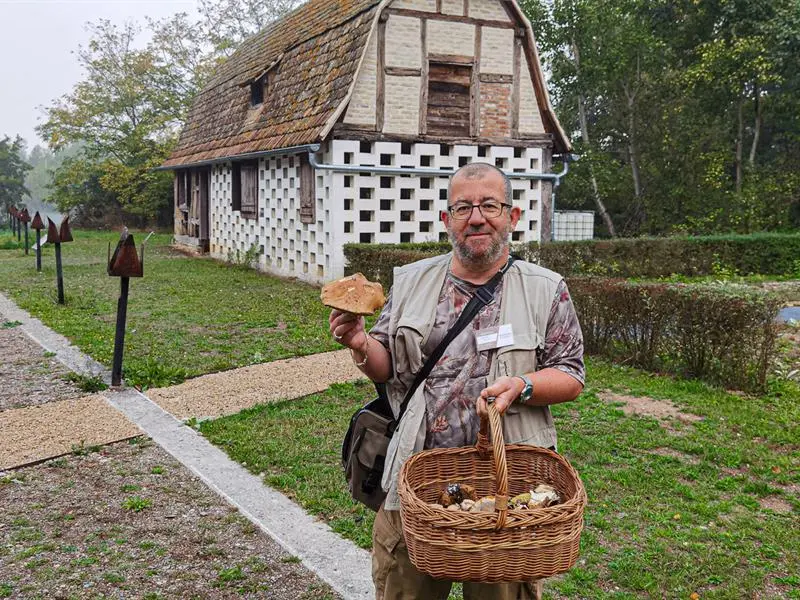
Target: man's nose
x: 476, y: 216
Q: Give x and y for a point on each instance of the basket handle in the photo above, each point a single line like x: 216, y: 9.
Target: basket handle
x: 498, y: 449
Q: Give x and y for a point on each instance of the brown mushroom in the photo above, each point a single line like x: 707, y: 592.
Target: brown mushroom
x: 353, y: 294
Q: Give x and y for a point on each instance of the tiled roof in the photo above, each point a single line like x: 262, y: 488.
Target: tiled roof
x: 319, y: 46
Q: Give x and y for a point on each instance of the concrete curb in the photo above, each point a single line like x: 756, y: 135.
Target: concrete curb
x: 340, y: 563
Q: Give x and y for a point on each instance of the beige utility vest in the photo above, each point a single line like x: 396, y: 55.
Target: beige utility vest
x: 528, y: 293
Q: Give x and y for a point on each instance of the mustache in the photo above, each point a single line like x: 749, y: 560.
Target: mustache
x: 477, y: 229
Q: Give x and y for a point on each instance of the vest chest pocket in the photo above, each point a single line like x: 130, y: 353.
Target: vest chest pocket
x: 518, y: 358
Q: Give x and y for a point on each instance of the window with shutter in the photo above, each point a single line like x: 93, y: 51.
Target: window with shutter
x: 249, y: 174
x: 448, y: 107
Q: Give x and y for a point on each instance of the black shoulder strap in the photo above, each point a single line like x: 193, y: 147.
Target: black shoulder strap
x: 483, y: 296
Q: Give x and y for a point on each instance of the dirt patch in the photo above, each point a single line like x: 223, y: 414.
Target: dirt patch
x: 775, y: 504
x: 669, y: 452
x: 662, y: 410
x: 28, y: 376
x: 232, y: 391
x: 36, y: 433
x: 131, y: 522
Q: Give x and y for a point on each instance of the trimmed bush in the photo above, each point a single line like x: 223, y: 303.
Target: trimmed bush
x: 767, y: 254
x: 723, y: 334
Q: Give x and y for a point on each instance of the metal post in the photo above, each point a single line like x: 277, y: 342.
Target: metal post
x: 26, y: 238
x: 38, y: 251
x: 59, y: 274
x: 119, y: 336
x: 19, y: 230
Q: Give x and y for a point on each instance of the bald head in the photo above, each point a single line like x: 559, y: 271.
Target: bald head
x: 480, y: 170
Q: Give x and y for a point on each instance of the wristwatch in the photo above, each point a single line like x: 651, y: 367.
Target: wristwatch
x: 527, y: 391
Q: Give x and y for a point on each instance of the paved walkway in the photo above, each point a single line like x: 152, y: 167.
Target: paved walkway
x: 345, y: 567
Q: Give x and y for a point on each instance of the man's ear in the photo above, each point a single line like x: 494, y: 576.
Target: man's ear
x: 444, y: 217
x: 514, y: 214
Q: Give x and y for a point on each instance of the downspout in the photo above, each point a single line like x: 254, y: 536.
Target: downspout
x: 566, y: 158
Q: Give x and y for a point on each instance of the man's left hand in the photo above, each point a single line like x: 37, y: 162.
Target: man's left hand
x: 505, y: 390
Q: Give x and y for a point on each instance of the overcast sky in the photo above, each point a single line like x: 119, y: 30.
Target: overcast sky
x: 37, y: 40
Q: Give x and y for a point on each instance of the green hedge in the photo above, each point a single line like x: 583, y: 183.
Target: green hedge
x: 768, y: 254
x: 723, y: 334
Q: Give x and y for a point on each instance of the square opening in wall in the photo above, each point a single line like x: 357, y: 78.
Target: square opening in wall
x: 405, y: 148
x: 387, y: 160
x: 517, y: 194
x: 406, y: 193
x: 426, y: 226
x: 534, y: 164
x: 348, y: 181
x: 425, y: 160
x: 534, y: 184
x: 501, y: 163
x: 426, y: 183
x: 533, y: 205
x: 365, y: 193
x: 444, y: 150
x: 531, y: 225
x: 516, y: 236
x: 387, y: 226
x: 366, y: 238
x: 482, y: 151
x: 426, y: 204
x: 348, y: 227
x: 443, y: 194
x: 348, y: 158
x: 387, y: 182
x: 348, y: 204
x: 305, y: 267
x: 320, y: 271
x: 463, y: 160
x: 406, y: 237
x: 366, y: 215
x: 387, y: 204
x: 365, y: 147
x: 406, y: 215
x: 518, y: 152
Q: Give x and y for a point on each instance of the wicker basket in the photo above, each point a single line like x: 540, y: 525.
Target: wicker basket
x: 501, y: 546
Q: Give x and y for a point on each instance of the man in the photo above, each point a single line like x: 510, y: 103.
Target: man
x: 535, y: 360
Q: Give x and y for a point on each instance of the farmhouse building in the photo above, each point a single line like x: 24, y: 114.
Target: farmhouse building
x: 341, y: 122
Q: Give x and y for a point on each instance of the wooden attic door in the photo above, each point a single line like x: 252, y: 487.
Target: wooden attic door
x: 448, y: 107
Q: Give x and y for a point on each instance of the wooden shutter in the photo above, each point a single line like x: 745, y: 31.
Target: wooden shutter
x: 308, y: 200
x: 249, y: 174
x: 448, y: 107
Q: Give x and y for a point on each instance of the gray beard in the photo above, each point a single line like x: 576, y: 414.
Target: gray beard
x: 472, y: 259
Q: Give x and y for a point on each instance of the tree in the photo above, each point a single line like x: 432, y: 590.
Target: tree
x: 126, y: 113
x: 12, y: 173
x: 229, y: 22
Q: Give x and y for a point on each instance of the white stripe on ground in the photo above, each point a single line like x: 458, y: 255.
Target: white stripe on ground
x: 340, y: 563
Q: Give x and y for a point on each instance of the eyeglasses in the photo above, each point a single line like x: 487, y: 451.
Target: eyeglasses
x: 490, y: 209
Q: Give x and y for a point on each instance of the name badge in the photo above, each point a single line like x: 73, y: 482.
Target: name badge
x: 494, y: 337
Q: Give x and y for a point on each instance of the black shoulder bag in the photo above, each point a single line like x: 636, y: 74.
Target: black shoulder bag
x: 371, y: 427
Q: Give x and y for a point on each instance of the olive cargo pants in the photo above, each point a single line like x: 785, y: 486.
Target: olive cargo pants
x: 396, y: 578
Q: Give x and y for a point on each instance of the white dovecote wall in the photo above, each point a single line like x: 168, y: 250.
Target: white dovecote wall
x: 375, y: 208
x: 284, y: 244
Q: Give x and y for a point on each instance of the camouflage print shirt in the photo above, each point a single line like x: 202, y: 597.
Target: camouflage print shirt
x: 457, y: 379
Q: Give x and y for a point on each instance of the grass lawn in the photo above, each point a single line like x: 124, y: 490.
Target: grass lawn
x: 186, y: 316
x: 709, y: 506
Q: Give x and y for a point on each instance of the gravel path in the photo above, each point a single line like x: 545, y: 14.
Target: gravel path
x: 131, y: 522
x: 36, y: 433
x: 231, y: 391
x: 28, y: 376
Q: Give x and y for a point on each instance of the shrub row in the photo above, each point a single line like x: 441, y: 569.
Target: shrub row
x: 768, y: 254
x: 723, y: 334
